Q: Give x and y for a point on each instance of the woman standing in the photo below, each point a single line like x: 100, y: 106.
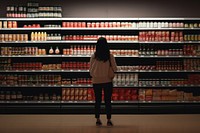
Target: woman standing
x: 101, y: 63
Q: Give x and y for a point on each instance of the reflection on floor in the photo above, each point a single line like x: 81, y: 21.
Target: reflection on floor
x: 86, y: 124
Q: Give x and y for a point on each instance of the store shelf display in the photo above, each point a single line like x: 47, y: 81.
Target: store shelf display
x: 158, y: 59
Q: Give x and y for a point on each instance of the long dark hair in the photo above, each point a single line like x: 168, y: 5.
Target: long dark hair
x: 102, y: 52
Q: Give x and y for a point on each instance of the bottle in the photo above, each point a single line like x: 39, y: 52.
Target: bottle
x: 51, y: 50
x: 39, y: 36
x: 36, y: 36
x: 57, y: 51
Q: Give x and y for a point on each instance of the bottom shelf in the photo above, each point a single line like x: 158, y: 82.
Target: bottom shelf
x: 134, y: 107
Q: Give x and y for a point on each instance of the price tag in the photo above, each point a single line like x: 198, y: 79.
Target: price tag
x: 25, y: 102
x: 53, y: 101
x: 39, y: 101
x: 126, y: 101
x: 70, y: 102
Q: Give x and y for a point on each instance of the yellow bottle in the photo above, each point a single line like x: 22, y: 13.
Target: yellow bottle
x: 45, y: 36
x: 39, y: 36
x: 42, y: 36
x: 36, y: 36
x: 32, y: 36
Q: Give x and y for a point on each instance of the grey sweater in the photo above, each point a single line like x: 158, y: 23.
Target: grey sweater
x: 99, y: 70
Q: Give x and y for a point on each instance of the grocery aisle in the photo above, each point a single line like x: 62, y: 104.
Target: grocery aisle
x: 86, y: 124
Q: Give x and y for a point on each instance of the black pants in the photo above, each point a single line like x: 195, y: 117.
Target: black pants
x: 108, y: 88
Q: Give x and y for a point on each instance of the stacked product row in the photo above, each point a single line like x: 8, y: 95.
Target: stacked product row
x: 166, y: 95
x: 33, y: 10
x: 143, y: 36
x: 191, y: 79
x: 186, y: 64
x: 87, y: 94
x: 117, y: 24
x: 83, y: 94
x: 47, y: 79
x: 187, y: 50
x: 147, y: 49
x: 19, y: 96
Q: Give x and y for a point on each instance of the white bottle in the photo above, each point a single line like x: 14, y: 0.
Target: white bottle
x: 123, y: 79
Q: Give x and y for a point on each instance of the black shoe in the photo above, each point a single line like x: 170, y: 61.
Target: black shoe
x: 109, y: 123
x: 98, y: 123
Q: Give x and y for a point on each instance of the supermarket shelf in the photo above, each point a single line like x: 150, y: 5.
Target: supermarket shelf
x: 90, y: 85
x: 155, y: 56
x: 94, y: 41
x: 87, y: 102
x: 102, y: 101
x: 86, y: 71
x: 99, y: 28
x: 76, y: 56
x: 192, y: 42
x: 58, y: 101
x: 31, y: 19
x: 162, y: 42
x: 37, y: 42
x: 28, y: 102
x: 173, y: 71
x: 80, y: 85
x: 118, y: 56
x: 13, y: 71
x: 156, y: 28
x: 17, y: 56
x: 157, y: 86
x: 168, y: 101
x: 31, y: 29
x: 99, y: 19
x: 37, y: 86
x: 124, y: 86
x: 117, y: 28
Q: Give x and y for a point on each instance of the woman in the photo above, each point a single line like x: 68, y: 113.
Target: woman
x: 100, y: 63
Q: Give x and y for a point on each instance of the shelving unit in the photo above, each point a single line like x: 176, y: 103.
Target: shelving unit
x: 190, y: 93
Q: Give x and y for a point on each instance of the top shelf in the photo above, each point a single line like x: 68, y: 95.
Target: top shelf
x: 61, y: 28
x: 95, y: 19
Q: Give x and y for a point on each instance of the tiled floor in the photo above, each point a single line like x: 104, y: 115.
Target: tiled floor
x: 86, y: 124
